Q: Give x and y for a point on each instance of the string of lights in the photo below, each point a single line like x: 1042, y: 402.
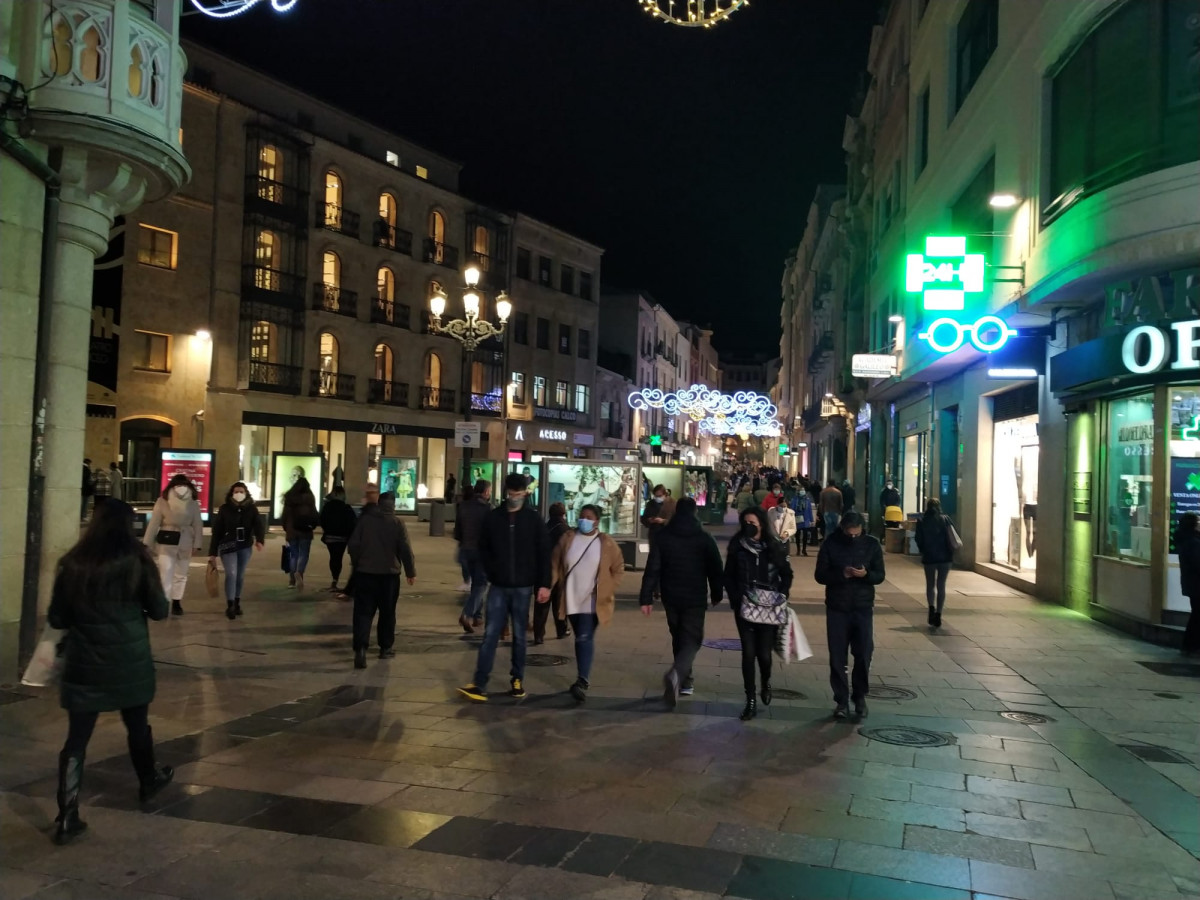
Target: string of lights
x: 227, y: 9
x: 692, y: 13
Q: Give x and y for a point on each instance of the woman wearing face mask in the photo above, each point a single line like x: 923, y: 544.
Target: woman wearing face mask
x: 586, y: 567
x: 175, y: 532
x: 237, y: 531
x: 756, y: 573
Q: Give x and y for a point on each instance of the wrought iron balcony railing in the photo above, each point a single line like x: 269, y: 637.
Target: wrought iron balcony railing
x: 335, y: 299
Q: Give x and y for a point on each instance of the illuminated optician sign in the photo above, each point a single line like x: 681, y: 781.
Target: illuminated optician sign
x: 1144, y: 349
x: 227, y: 9
x: 943, y: 275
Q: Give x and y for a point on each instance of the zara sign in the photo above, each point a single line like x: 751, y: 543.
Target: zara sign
x: 1145, y: 347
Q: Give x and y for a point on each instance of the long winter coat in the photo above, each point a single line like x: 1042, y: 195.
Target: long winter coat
x: 108, y: 665
x: 172, y: 514
x: 608, y: 577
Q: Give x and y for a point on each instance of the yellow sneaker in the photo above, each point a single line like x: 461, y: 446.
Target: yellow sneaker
x: 517, y: 690
x: 471, y: 692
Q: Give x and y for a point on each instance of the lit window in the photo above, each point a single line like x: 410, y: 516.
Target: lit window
x: 539, y: 390
x: 581, y: 398
x: 383, y: 362
x: 393, y: 158
x: 387, y: 208
x: 262, y: 342
x: 151, y: 351
x: 270, y: 171
x: 422, y: 172
x: 157, y: 247
x: 560, y: 393
x: 518, y: 390
x: 386, y: 284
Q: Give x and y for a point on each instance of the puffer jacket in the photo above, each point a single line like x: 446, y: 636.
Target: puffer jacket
x: 229, y: 518
x: 173, y: 514
x: 684, y: 567
x: 108, y: 664
x: 840, y: 551
x: 745, y: 569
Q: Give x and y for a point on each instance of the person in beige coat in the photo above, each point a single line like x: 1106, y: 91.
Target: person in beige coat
x: 586, y: 566
x: 175, y: 532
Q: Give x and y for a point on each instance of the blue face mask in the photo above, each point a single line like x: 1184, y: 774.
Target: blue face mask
x: 586, y: 526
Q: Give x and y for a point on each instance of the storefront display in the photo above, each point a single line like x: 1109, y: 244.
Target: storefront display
x: 613, y: 488
x: 286, y: 470
x: 696, y: 484
x: 258, y: 443
x: 197, y: 466
x: 670, y: 477
x: 481, y: 470
x: 1015, y: 451
x: 1127, y: 513
x: 399, y: 476
x: 530, y: 471
x: 1183, y: 482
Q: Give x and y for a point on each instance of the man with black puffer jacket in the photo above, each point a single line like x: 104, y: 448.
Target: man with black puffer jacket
x: 514, y: 550
x: 378, y: 547
x: 850, y: 564
x: 685, y: 568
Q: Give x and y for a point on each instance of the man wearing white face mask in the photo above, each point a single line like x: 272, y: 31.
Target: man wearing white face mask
x: 175, y: 532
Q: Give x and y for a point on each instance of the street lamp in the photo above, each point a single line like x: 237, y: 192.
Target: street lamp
x: 469, y: 331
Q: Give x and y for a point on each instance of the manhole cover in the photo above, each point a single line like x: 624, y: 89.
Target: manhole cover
x: 1026, y: 718
x: 786, y: 694
x: 1150, y: 753
x: 546, y: 659
x: 1178, y: 669
x: 1167, y: 696
x: 907, y: 737
x: 724, y: 644
x: 886, y: 692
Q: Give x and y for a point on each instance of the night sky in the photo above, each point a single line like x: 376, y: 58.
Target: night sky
x: 690, y: 155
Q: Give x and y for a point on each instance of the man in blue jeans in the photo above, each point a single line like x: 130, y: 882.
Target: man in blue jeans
x: 514, y: 550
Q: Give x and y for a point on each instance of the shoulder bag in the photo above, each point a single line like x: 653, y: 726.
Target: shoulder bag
x: 952, y: 537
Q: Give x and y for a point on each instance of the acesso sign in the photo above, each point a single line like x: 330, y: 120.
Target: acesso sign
x: 1145, y: 349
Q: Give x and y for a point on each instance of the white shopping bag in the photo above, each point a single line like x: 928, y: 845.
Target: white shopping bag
x: 45, y: 668
x: 796, y: 646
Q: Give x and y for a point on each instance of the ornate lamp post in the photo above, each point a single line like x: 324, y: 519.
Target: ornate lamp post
x: 470, y: 331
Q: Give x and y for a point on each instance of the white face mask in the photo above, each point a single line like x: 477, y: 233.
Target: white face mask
x: 182, y: 491
x: 238, y: 497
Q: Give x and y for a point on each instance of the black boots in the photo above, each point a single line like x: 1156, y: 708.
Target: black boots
x: 360, y: 658
x: 237, y: 606
x: 579, y: 690
x: 766, y: 693
x: 937, y: 620
x: 229, y: 613
x: 751, y: 709
x: 70, y: 780
x: 176, y: 608
x: 151, y: 779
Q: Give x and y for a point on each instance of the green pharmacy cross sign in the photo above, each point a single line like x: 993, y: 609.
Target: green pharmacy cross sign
x: 943, y: 275
x: 1189, y: 432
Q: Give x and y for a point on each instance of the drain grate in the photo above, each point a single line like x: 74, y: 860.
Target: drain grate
x: 1178, y: 669
x: 887, y: 692
x: 546, y: 659
x: 723, y: 644
x: 1150, y: 753
x: 787, y: 694
x: 907, y: 737
x: 1026, y: 718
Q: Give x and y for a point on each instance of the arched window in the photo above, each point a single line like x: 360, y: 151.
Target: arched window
x: 333, y: 200
x: 136, y: 62
x: 91, y: 57
x: 383, y: 362
x: 387, y: 208
x: 156, y: 82
x: 328, y: 364
x: 433, y: 371
x: 62, y: 52
x: 385, y: 284
x: 266, y: 260
x: 331, y: 268
x: 480, y: 240
x: 437, y: 226
x: 270, y: 173
x: 263, y: 342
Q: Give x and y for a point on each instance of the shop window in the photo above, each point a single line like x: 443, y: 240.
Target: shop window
x: 151, y: 352
x: 520, y: 328
x: 255, y: 452
x: 518, y: 387
x: 1111, y: 122
x: 1015, y: 453
x: 560, y: 394
x: 157, y: 247
x: 1127, y: 488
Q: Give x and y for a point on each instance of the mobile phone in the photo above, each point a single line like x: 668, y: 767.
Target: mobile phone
x: 241, y: 533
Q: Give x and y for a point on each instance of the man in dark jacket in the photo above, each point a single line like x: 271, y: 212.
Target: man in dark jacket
x: 514, y: 550
x: 850, y: 564
x: 337, y: 524
x: 849, y: 497
x: 378, y: 547
x: 686, y: 570
x: 468, y: 522
x: 889, y: 496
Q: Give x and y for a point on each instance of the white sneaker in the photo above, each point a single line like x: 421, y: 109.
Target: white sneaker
x: 464, y: 587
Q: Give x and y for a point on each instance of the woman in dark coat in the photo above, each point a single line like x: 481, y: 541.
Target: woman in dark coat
x: 1187, y: 545
x: 937, y: 556
x: 237, y: 531
x: 107, y: 586
x: 556, y: 527
x: 756, y: 559
x: 300, y: 517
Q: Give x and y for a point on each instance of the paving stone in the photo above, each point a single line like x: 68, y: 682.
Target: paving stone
x: 388, y: 827
x: 968, y: 801
x: 944, y: 763
x: 1019, y: 790
x: 908, y: 812
x: 1144, y: 873
x: 975, y: 846
x: 776, y: 845
x: 694, y: 868
x: 773, y: 879
x: 1033, y: 832
x: 1029, y: 884
x: 599, y: 855
x: 906, y: 865
x: 875, y: 887
x: 556, y: 884
x: 843, y: 827
x: 948, y: 780
x: 1092, y: 820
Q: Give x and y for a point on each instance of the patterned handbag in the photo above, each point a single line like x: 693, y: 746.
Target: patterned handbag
x: 763, y: 606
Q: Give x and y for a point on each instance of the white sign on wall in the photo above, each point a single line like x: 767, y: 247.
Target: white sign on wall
x: 873, y: 365
x: 466, y: 434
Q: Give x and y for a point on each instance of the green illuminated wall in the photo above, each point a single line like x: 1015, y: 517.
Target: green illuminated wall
x: 1083, y: 474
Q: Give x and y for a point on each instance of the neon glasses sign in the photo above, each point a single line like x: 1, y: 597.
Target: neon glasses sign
x: 943, y: 275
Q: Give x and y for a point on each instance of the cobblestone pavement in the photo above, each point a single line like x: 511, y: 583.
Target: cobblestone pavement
x: 1022, y: 752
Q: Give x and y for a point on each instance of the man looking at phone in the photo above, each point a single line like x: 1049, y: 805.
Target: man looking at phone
x: 850, y: 564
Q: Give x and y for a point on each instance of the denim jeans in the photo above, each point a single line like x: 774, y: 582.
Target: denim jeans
x: 503, y: 604
x: 473, y: 606
x: 300, y: 548
x: 584, y: 625
x: 235, y: 571
x: 831, y: 522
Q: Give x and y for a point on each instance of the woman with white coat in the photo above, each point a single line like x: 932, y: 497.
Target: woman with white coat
x: 175, y: 532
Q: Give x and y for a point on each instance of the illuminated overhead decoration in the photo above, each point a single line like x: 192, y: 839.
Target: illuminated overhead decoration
x: 227, y: 9
x: 745, y: 413
x: 944, y: 275
x: 693, y: 13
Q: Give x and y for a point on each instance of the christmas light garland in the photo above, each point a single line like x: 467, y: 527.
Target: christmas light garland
x: 227, y: 9
x: 692, y: 13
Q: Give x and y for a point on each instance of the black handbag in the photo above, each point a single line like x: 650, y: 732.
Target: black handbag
x: 167, y: 538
